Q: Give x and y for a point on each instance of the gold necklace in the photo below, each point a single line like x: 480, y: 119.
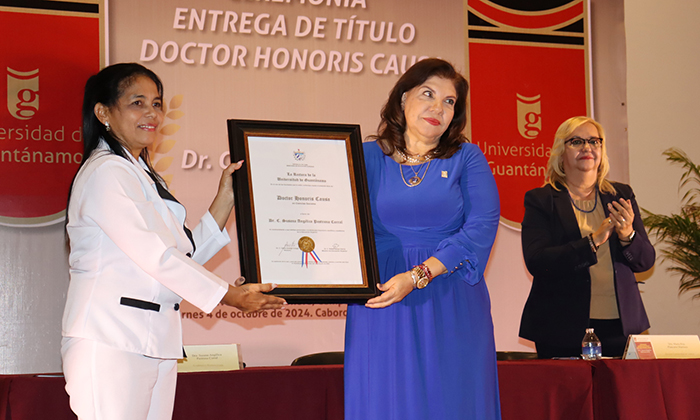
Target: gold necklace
x: 416, y: 179
x: 413, y: 168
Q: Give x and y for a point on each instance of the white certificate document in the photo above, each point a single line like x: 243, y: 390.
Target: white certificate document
x: 304, y: 211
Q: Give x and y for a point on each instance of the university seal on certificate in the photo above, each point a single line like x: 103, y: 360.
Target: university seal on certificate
x: 306, y: 244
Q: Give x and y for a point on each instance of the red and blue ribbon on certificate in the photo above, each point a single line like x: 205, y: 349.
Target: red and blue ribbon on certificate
x: 307, y: 245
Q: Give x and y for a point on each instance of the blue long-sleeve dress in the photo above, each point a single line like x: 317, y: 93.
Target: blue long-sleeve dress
x: 432, y: 355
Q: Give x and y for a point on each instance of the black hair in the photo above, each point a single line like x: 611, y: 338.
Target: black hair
x: 106, y: 87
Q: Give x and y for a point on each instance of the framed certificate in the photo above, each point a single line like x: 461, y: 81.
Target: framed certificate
x: 302, y: 210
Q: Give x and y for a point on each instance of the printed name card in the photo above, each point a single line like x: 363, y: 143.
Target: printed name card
x: 662, y: 347
x: 211, y: 358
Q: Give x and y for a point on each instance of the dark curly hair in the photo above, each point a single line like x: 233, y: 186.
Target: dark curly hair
x: 390, y: 133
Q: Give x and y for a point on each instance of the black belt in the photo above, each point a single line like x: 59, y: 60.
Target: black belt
x: 141, y: 304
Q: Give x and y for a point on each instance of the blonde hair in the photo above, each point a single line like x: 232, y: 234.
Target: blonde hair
x: 555, y: 166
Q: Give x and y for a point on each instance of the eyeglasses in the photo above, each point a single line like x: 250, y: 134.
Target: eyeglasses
x: 579, y: 143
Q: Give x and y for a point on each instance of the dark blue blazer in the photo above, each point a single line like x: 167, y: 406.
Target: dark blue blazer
x: 558, y: 257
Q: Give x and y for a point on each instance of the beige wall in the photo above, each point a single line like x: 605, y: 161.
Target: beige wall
x: 663, y: 62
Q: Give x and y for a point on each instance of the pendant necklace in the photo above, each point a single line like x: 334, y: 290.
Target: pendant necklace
x: 416, y: 179
x: 595, y: 204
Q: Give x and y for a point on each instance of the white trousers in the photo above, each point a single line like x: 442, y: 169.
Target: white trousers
x: 105, y: 383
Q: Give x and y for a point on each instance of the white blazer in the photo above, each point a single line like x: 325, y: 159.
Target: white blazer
x: 129, y: 267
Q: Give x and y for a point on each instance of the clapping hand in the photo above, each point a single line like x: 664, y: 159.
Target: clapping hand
x: 622, y: 216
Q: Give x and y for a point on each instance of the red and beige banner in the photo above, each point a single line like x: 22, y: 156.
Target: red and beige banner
x: 44, y: 70
x: 528, y: 71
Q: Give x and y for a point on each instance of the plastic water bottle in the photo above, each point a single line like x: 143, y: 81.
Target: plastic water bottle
x: 590, y: 347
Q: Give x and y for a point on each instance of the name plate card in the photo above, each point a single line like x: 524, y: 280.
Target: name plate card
x: 211, y: 358
x: 302, y: 210
x: 662, y: 347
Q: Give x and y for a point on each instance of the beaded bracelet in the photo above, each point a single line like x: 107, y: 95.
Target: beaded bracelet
x: 424, y: 268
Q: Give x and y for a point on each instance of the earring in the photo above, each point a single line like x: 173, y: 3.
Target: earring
x: 108, y: 127
x: 403, y: 102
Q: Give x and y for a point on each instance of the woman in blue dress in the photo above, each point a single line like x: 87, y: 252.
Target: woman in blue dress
x: 424, y: 348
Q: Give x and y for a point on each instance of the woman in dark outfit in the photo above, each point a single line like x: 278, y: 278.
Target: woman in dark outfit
x: 583, y: 239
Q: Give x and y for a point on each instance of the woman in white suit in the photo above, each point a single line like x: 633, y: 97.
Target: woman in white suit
x: 132, y: 260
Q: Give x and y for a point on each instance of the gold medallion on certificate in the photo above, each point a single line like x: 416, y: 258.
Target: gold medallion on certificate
x: 307, y: 245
